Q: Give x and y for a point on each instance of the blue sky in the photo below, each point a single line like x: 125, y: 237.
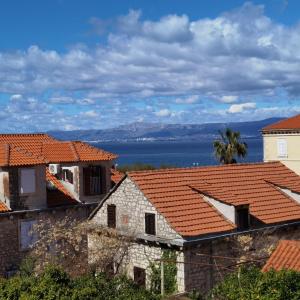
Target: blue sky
x: 97, y: 64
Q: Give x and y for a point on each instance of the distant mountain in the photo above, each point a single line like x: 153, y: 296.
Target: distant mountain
x: 154, y: 131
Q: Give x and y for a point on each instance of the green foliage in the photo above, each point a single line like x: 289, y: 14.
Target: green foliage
x: 54, y: 284
x: 229, y: 147
x: 170, y: 272
x: 251, y: 283
x: 141, y: 167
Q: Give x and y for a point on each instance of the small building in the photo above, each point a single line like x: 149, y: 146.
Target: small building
x: 43, y: 177
x: 285, y: 256
x: 282, y: 142
x: 194, y: 212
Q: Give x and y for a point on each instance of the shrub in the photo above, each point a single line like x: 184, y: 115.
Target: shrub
x: 54, y: 284
x: 251, y: 283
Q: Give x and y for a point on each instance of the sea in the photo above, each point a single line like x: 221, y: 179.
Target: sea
x: 175, y: 153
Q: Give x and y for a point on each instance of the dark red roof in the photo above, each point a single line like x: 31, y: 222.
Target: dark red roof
x: 292, y: 123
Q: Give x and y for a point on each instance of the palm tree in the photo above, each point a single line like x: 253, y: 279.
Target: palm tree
x: 229, y: 147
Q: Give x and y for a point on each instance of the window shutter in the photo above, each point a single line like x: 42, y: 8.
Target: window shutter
x: 282, y: 148
x: 103, y: 180
x: 139, y: 276
x: 111, y: 216
x: 150, y: 223
x: 86, y: 181
x: 27, y: 181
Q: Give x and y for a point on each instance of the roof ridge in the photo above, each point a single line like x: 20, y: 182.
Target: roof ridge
x: 7, y: 154
x: 206, y: 167
x: 73, y: 148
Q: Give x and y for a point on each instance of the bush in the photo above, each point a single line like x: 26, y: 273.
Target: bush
x: 251, y: 283
x: 54, y: 284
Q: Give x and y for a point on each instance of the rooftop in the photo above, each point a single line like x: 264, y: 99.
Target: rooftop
x: 285, y: 256
x: 35, y: 149
x: 178, y: 194
x: 292, y: 123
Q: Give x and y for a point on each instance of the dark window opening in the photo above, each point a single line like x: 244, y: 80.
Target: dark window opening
x: 150, y: 223
x: 139, y: 276
x: 111, y: 216
x: 94, y: 180
x: 242, y: 218
x: 68, y: 175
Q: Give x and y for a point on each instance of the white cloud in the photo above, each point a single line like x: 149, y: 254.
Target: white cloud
x: 228, y: 99
x: 239, y: 108
x: 90, y: 114
x: 187, y: 100
x: 241, y: 54
x: 163, y: 113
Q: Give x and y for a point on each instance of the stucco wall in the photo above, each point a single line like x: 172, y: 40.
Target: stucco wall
x: 38, y: 199
x: 292, y: 160
x: 77, y: 188
x: 131, y: 206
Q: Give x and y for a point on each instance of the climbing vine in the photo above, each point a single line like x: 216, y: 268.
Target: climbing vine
x: 170, y: 271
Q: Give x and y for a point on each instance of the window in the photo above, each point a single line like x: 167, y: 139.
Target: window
x: 150, y: 223
x: 27, y: 235
x: 111, y: 216
x: 94, y: 180
x: 27, y: 181
x: 139, y: 276
x: 242, y: 218
x: 282, y: 148
x: 68, y: 175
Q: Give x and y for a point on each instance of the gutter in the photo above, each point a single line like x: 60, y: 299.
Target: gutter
x: 230, y: 234
x: 38, y: 210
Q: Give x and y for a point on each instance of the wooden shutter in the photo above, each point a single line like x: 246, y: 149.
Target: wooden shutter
x: 103, y: 180
x: 150, y: 223
x: 86, y: 181
x: 243, y: 218
x: 139, y: 276
x: 111, y: 216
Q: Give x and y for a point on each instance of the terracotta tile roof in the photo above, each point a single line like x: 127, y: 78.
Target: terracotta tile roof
x: 3, y: 207
x: 32, y: 149
x: 116, y: 176
x: 60, y: 196
x: 11, y: 155
x: 178, y: 194
x: 285, y: 256
x: 287, y: 124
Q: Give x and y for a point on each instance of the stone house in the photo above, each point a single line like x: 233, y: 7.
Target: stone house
x: 43, y: 177
x: 282, y: 142
x: 197, y: 213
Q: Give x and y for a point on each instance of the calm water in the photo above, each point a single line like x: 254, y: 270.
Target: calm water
x: 181, y: 154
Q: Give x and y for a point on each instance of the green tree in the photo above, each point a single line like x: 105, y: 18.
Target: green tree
x: 250, y: 283
x: 229, y: 147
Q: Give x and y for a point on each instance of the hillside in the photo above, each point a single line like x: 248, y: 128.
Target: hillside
x: 155, y: 131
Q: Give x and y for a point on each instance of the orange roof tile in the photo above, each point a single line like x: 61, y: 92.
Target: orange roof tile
x: 116, y: 176
x: 61, y: 196
x: 32, y: 149
x: 292, y: 123
x: 3, y: 207
x: 178, y: 194
x: 285, y: 256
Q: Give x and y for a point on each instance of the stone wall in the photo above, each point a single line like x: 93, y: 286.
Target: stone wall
x: 131, y: 206
x: 11, y: 254
x: 140, y: 255
x: 208, y: 262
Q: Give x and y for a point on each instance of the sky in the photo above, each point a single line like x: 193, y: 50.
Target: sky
x: 74, y: 64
